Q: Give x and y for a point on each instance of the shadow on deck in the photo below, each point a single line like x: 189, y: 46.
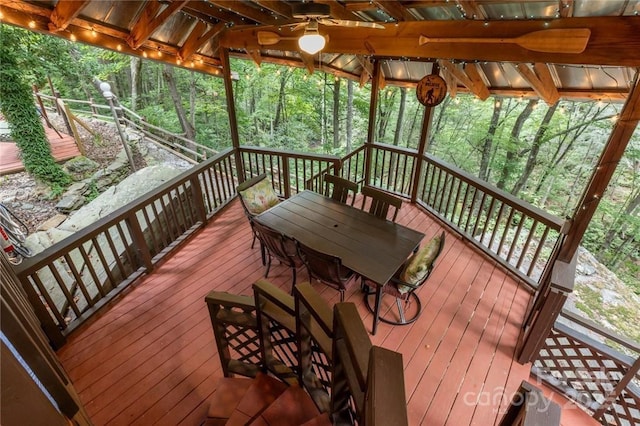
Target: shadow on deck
x: 151, y: 358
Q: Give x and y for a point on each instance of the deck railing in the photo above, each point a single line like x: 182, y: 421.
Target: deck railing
x: 580, y: 361
x: 515, y: 233
x: 69, y: 281
x: 290, y: 172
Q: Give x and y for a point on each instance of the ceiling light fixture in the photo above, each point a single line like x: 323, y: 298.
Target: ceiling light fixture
x: 312, y: 41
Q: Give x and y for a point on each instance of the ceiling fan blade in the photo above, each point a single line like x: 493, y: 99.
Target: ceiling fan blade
x: 299, y: 26
x: 352, y: 24
x: 570, y: 40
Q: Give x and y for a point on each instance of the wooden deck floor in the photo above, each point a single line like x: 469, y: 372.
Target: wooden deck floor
x: 62, y: 148
x: 150, y: 357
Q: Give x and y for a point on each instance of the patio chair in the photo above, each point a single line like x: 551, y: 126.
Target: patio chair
x: 280, y: 247
x: 403, y: 285
x: 256, y: 196
x: 326, y: 268
x: 380, y: 203
x: 339, y: 189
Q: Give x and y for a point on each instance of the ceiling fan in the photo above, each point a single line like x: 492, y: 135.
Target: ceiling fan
x: 312, y: 15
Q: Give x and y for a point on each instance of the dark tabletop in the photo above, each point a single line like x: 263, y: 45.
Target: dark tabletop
x: 367, y: 245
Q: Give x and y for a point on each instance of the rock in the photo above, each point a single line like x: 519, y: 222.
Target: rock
x: 80, y: 167
x: 69, y: 203
x: 585, y: 269
x: 119, y: 195
x: 78, y: 188
x: 27, y: 206
x: 52, y: 222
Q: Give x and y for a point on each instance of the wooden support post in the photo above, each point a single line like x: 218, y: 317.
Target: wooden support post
x: 373, y: 110
x: 427, y: 118
x: 562, y: 279
x: 231, y: 111
x: 609, y: 159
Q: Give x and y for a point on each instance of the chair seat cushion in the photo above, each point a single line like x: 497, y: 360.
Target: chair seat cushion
x: 260, y: 197
x: 419, y: 265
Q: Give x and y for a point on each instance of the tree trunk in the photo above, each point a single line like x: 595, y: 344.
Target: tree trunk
x: 511, y: 158
x: 414, y: 122
x: 135, y: 64
x: 336, y: 113
x: 633, y: 202
x: 169, y: 78
x: 487, y: 143
x: 349, y: 115
x: 535, y: 149
x: 399, y: 123
x: 384, y: 112
x: 192, y: 99
x: 284, y: 77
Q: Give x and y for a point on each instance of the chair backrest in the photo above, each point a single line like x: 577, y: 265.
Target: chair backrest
x: 278, y: 245
x: 325, y: 267
x: 380, y: 202
x: 339, y: 188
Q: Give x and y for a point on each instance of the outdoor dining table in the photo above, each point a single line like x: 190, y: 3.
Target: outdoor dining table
x: 371, y: 247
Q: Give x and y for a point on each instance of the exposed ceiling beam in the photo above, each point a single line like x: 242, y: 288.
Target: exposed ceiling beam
x: 209, y: 13
x: 540, y: 81
x: 470, y: 9
x: 565, y: 8
x: 366, y: 64
x: 338, y: 11
x: 308, y: 62
x: 246, y: 11
x: 64, y: 12
x: 613, y: 41
x: 473, y: 83
x: 452, y: 83
x: 150, y: 19
x: 255, y: 55
x: 198, y: 37
x: 395, y: 10
x: 480, y: 89
x: 278, y: 7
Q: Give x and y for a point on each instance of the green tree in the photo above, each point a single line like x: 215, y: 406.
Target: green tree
x: 19, y: 109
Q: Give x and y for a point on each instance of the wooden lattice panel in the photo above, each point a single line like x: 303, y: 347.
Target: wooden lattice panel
x: 244, y: 344
x: 588, y: 372
x: 625, y: 411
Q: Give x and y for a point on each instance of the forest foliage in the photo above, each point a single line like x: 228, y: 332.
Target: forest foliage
x: 539, y: 153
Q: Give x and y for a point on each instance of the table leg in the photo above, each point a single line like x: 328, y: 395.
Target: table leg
x: 376, y: 313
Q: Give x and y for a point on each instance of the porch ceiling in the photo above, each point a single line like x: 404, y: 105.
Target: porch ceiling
x: 191, y: 34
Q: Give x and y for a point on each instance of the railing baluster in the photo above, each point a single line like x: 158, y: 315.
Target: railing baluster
x: 45, y: 294
x: 105, y: 266
x: 479, y: 216
x: 489, y: 216
x: 514, y: 242
x: 532, y: 231
x: 496, y: 226
x: 89, y: 265
x: 79, y: 282
x: 463, y: 207
x: 536, y: 255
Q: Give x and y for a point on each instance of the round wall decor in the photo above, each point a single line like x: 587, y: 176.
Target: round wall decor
x: 431, y: 90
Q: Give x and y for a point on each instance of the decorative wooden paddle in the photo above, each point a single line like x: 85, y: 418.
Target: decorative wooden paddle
x: 569, y: 40
x: 268, y: 38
